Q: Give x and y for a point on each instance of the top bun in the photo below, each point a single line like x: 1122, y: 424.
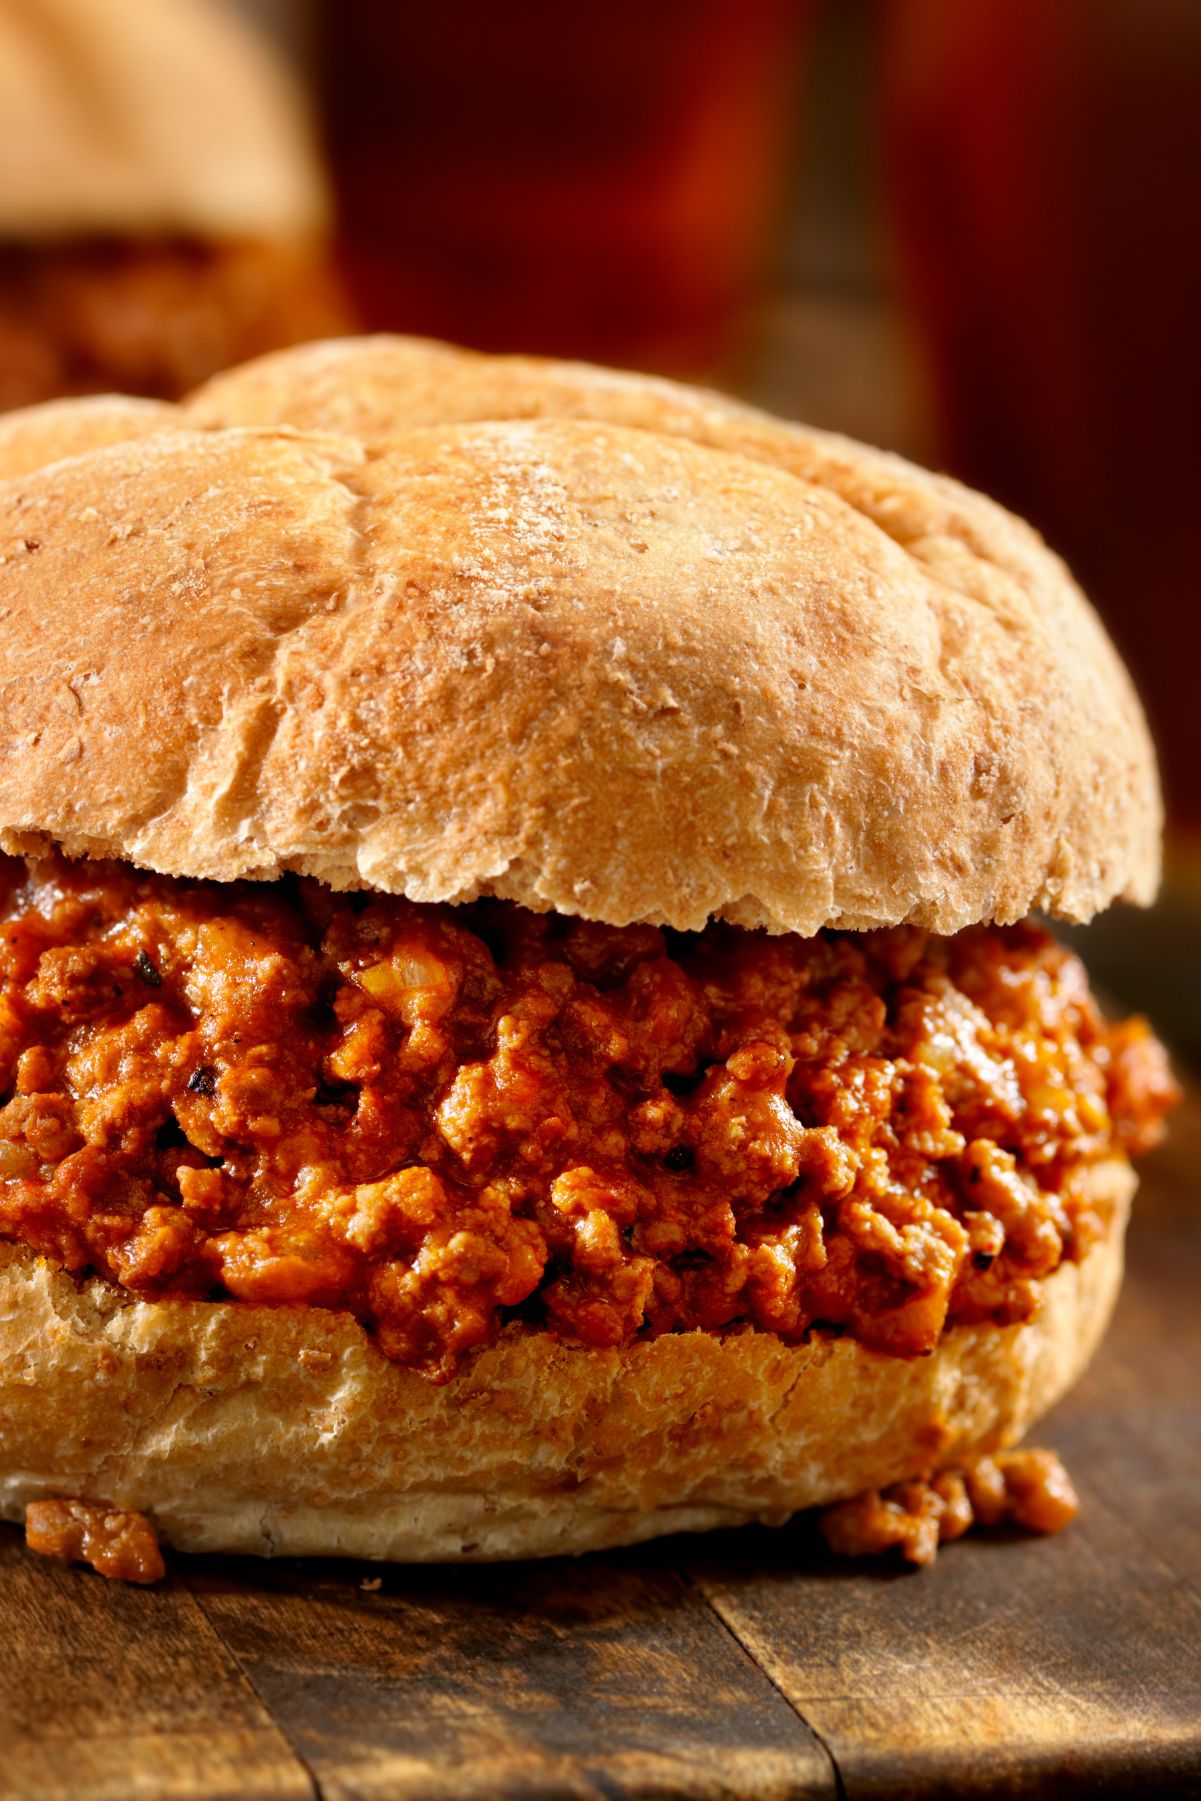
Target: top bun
x: 148, y: 116
x: 399, y: 616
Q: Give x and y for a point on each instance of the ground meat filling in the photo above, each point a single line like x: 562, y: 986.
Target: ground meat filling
x: 436, y: 1116
x: 1030, y: 1489
x: 149, y: 316
x: 122, y: 1546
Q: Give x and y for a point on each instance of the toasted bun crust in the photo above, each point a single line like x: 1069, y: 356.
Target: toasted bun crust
x: 250, y: 1429
x: 141, y: 117
x: 596, y: 643
x: 34, y: 436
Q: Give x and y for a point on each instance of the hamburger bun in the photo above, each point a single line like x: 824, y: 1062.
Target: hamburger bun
x: 282, y: 1431
x: 142, y: 119
x: 33, y: 436
x: 628, y: 670
x: 163, y: 210
x: 402, y: 618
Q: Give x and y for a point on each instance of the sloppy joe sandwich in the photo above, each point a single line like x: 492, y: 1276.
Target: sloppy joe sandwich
x: 523, y: 1024
x: 162, y: 209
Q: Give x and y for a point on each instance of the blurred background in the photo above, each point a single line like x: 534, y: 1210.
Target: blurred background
x: 966, y: 229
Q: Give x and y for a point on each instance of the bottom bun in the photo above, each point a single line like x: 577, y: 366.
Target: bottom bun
x: 284, y: 1431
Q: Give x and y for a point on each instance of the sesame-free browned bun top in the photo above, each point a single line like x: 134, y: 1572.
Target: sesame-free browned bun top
x: 36, y: 435
x: 135, y: 117
x: 396, y: 615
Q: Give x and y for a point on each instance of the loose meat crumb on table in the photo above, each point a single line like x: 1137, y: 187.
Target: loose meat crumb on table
x: 1030, y: 1489
x: 445, y: 1118
x: 119, y: 1545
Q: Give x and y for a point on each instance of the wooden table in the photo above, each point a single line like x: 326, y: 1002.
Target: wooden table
x: 744, y: 1664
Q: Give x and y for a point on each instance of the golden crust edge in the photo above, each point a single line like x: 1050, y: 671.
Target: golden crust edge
x: 284, y: 1431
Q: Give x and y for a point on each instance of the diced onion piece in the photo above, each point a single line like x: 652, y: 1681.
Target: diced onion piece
x: 407, y: 982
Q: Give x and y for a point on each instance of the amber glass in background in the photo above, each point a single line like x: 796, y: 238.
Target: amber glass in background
x: 1042, y: 163
x: 1042, y: 166
x: 580, y: 179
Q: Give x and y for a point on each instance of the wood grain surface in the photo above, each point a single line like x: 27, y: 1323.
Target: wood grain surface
x: 744, y: 1664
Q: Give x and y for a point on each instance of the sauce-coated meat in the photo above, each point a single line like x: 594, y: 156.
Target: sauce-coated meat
x: 1030, y: 1489
x: 433, y: 1116
x: 149, y: 315
x: 122, y: 1546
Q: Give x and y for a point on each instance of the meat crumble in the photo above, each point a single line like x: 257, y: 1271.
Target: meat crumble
x: 121, y: 1546
x: 443, y: 1118
x: 150, y: 316
x: 1029, y: 1489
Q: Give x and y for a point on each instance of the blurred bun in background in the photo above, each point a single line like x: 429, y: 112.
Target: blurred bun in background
x: 163, y: 212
